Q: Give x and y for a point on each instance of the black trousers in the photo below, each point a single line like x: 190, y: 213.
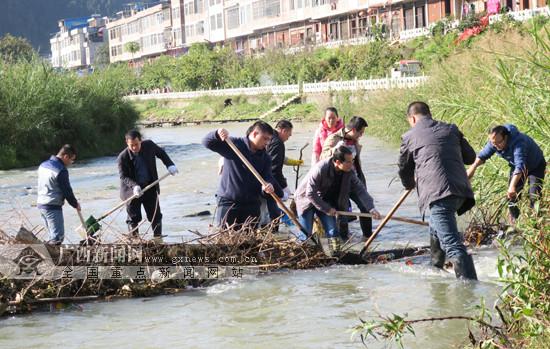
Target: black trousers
x: 230, y: 212
x: 535, y: 178
x: 150, y: 203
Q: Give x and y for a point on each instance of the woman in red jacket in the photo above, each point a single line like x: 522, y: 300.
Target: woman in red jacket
x: 330, y: 124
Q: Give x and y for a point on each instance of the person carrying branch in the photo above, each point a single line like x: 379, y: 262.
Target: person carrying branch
x: 435, y: 153
x: 239, y: 191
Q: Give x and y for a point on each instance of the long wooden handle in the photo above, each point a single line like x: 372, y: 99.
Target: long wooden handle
x: 277, y: 199
x: 81, y: 218
x: 132, y: 197
x: 385, y: 220
x: 395, y: 218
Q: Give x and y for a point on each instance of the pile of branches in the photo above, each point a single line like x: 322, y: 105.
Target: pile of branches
x: 263, y: 249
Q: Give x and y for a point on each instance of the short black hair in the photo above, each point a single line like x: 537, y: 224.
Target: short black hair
x: 262, y: 126
x: 67, y: 149
x: 340, y: 153
x: 284, y: 125
x: 133, y: 134
x: 332, y: 109
x: 357, y: 123
x: 500, y: 130
x: 419, y: 108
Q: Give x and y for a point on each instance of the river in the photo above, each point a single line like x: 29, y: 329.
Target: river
x: 296, y: 309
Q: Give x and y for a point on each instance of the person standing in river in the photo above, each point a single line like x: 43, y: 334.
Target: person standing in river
x: 137, y: 169
x: 435, y: 153
x: 326, y: 189
x: 526, y: 161
x: 239, y: 192
x: 53, y: 189
x: 349, y: 137
x: 330, y: 124
x: 276, y: 150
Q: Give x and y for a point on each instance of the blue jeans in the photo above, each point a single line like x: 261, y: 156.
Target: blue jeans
x: 328, y: 222
x: 54, y: 223
x: 443, y: 225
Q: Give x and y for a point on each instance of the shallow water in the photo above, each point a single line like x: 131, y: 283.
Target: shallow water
x: 303, y: 309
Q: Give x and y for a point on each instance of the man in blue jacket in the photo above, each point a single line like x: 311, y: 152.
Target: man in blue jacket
x: 239, y: 191
x: 525, y: 158
x: 53, y: 189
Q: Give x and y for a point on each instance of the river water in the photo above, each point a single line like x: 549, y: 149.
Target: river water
x: 297, y: 309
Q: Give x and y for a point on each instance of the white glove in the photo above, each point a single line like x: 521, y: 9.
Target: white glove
x: 173, y: 170
x: 138, y: 191
x: 286, y: 194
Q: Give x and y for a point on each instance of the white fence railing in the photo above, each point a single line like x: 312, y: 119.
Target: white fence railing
x: 413, y: 33
x: 522, y: 15
x: 315, y: 87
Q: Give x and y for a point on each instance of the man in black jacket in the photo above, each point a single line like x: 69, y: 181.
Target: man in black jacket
x: 276, y: 150
x: 436, y: 153
x: 239, y: 191
x: 137, y: 169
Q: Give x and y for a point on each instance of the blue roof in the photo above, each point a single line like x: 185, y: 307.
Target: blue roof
x: 73, y: 23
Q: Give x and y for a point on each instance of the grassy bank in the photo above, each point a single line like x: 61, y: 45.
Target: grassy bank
x: 503, y: 77
x: 41, y: 109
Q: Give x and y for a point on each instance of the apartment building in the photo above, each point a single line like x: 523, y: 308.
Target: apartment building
x: 251, y: 26
x: 143, y: 31
x: 74, y: 46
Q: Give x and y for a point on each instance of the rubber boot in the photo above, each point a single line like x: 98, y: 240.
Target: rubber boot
x: 437, y: 253
x: 334, y: 246
x: 366, y: 227
x: 157, y: 230
x: 343, y: 228
x: 464, y: 267
x: 133, y: 229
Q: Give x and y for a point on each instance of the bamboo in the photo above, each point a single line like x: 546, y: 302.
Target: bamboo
x: 385, y: 220
x: 395, y: 218
x: 264, y: 183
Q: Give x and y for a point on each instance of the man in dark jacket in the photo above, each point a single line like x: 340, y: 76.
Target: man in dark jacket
x: 436, y: 153
x: 239, y: 191
x: 137, y: 169
x: 525, y: 158
x: 326, y: 189
x: 53, y: 189
x: 276, y: 150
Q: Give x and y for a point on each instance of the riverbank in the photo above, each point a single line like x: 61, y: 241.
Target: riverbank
x: 42, y: 109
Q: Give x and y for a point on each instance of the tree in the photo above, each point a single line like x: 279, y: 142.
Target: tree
x: 13, y: 49
x: 102, y: 55
x: 132, y: 47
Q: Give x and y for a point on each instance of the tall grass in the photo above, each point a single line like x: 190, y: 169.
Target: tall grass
x: 41, y: 109
x: 503, y: 78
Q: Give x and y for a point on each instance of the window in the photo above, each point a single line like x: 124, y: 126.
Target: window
x: 212, y: 22
x: 200, y: 28
x: 219, y: 20
x: 233, y: 17
x: 265, y: 8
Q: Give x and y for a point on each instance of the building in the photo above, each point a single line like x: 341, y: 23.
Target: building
x: 143, y: 31
x: 251, y: 26
x: 75, y: 45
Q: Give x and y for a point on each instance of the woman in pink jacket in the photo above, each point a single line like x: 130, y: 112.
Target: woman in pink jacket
x: 330, y: 124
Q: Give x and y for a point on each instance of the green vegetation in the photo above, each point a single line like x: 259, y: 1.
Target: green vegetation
x: 13, y: 49
x: 504, y: 77
x: 41, y: 109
